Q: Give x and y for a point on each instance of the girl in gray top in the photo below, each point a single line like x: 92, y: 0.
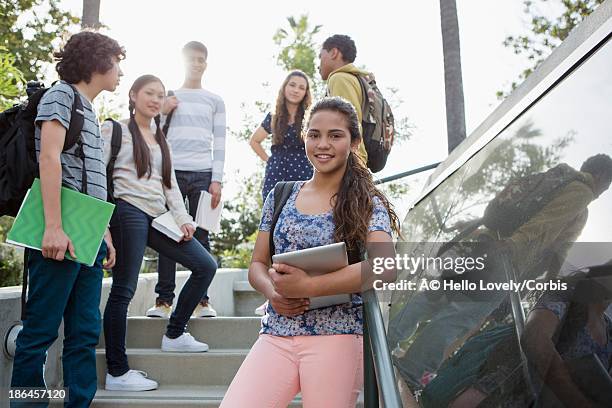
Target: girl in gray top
x: 144, y: 185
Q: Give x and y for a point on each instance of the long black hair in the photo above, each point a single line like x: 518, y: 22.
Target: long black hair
x: 142, y: 154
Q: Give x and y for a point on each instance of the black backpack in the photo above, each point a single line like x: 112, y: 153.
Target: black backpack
x: 282, y: 191
x: 110, y: 167
x: 18, y: 165
x: 525, y: 196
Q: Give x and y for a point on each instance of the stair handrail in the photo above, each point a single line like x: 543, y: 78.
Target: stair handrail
x: 382, y: 381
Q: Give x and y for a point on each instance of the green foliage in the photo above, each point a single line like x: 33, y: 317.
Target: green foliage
x: 11, y: 266
x: 545, y: 33
x: 108, y: 106
x: 298, y: 50
x: 31, y: 29
x: 11, y: 260
x: 11, y: 80
x: 239, y: 225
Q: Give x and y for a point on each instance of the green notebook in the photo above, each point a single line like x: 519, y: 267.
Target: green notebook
x: 84, y: 220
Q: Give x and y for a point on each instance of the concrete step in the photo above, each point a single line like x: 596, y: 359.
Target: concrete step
x: 246, y: 299
x: 165, y: 396
x: 214, y: 367
x: 217, y: 332
x: 172, y: 396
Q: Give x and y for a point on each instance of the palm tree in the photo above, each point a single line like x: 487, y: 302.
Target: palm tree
x: 91, y: 14
x: 298, y: 48
x: 453, y: 84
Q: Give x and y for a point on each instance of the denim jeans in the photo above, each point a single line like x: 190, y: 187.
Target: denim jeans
x: 191, y: 183
x: 132, y: 232
x: 60, y: 289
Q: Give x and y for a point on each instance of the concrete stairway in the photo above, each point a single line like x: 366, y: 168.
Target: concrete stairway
x: 246, y: 299
x: 187, y: 379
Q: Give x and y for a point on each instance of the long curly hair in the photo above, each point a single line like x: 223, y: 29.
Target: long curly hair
x: 280, y: 119
x: 142, y: 153
x: 86, y: 53
x: 353, y: 204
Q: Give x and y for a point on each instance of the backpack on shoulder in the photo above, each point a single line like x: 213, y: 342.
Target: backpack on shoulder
x: 110, y: 167
x: 377, y: 123
x: 18, y: 165
x: 525, y: 196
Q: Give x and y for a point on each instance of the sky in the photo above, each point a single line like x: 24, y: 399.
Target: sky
x: 399, y: 41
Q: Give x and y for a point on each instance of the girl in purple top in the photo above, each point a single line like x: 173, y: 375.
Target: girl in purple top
x: 316, y: 352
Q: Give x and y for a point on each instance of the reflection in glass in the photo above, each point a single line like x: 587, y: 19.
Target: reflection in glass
x: 523, y: 200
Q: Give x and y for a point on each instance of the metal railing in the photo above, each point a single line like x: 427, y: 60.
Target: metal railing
x: 380, y: 384
x: 406, y: 173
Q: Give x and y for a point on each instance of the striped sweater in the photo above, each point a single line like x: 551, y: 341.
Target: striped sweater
x: 197, y: 132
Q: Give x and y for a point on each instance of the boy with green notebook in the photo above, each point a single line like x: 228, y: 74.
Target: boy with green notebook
x: 84, y: 219
x: 60, y: 288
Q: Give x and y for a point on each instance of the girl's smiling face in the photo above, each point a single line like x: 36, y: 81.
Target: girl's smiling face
x: 295, y: 90
x: 149, y: 99
x: 328, y: 141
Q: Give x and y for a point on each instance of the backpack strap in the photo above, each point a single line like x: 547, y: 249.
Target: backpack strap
x: 168, y: 117
x: 110, y: 167
x: 282, y: 191
x: 365, y: 100
x: 73, y: 134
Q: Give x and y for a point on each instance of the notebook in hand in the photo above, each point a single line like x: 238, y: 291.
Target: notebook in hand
x: 319, y: 261
x: 206, y: 217
x: 166, y: 225
x: 84, y: 220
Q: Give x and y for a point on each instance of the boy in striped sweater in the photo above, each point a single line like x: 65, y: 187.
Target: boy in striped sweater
x: 196, y: 132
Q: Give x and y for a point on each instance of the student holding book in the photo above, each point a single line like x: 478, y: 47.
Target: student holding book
x: 318, y: 352
x: 61, y: 288
x: 144, y: 186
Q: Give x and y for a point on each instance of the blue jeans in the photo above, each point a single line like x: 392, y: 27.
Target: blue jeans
x: 132, y: 232
x: 191, y: 183
x: 60, y: 289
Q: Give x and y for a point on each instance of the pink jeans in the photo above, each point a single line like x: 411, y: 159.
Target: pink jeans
x: 327, y: 370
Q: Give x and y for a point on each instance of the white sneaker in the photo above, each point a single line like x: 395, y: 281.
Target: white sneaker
x: 185, y: 343
x: 133, y: 380
x: 261, y: 310
x: 161, y: 309
x: 204, y: 309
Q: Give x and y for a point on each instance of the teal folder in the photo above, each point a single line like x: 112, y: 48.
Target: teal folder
x: 84, y: 220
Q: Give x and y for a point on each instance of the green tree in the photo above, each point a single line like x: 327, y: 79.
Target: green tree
x: 545, y: 33
x: 297, y: 47
x: 31, y: 29
x: 11, y: 80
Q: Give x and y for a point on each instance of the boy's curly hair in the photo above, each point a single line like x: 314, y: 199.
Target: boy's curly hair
x: 86, y: 53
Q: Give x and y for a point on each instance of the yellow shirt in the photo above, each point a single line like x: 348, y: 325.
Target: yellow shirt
x: 343, y: 82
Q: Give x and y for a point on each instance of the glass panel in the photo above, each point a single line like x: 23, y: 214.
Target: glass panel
x: 535, y: 203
